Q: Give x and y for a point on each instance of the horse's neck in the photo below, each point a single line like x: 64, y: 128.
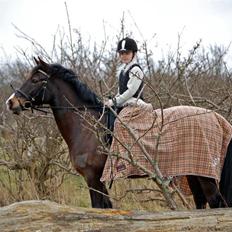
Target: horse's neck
x: 68, y: 110
x: 67, y: 124
x: 73, y: 126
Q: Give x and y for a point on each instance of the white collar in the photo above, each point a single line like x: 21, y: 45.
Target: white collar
x: 127, y: 66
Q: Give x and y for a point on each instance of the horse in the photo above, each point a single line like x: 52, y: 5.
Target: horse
x: 60, y: 87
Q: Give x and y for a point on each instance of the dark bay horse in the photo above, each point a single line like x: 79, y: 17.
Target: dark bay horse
x: 59, y: 87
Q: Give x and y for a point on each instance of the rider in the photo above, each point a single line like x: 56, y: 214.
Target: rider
x: 130, y: 78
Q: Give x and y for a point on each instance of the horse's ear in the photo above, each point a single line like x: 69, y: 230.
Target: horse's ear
x: 44, y: 65
x: 36, y: 61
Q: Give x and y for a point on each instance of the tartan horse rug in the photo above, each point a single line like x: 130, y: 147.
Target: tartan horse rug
x: 184, y: 140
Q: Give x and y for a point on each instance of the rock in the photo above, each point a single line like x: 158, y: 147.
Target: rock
x: 41, y: 216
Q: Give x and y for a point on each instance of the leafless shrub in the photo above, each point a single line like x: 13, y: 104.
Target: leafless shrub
x: 34, y: 161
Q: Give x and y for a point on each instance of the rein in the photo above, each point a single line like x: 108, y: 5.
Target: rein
x: 80, y: 108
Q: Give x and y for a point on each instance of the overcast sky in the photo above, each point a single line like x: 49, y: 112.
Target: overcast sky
x: 209, y: 20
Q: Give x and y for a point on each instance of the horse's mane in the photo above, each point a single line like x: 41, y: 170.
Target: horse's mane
x: 81, y: 89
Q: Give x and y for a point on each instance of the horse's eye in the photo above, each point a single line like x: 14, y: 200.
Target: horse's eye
x: 34, y: 80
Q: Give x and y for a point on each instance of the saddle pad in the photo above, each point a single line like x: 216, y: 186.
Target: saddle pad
x: 184, y: 140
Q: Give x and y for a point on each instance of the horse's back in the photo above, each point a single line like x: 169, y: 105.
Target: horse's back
x: 183, y: 111
x: 184, y: 140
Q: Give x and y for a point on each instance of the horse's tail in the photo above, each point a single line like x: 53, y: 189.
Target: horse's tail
x: 226, y: 177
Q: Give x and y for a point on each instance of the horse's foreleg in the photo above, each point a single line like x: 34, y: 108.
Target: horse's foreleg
x: 98, y: 193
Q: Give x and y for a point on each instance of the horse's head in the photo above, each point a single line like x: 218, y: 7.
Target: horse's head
x: 55, y: 85
x: 33, y: 91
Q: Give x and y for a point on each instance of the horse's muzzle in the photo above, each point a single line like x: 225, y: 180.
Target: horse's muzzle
x: 17, y: 110
x: 16, y: 106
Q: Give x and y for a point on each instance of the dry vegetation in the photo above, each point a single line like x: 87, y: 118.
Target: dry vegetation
x: 34, y: 163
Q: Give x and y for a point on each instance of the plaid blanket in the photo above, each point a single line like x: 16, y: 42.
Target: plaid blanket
x: 184, y: 140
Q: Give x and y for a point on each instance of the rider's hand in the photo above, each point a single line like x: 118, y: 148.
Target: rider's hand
x: 108, y: 102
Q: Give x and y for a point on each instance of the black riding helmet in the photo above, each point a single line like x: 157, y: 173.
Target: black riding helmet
x: 127, y: 44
